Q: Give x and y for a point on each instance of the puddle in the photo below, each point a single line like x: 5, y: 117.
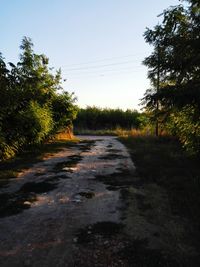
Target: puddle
x: 85, y: 146
x: 110, y: 145
x: 41, y: 187
x: 39, y: 174
x: 112, y: 150
x: 105, y: 229
x: 12, y: 204
x: 113, y: 188
x: 55, y: 179
x: 87, y: 194
x: 69, y: 165
x: 113, y: 156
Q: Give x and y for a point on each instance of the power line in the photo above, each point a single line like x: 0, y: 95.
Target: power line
x: 101, y: 66
x: 100, y: 60
x: 100, y: 75
x: 87, y: 71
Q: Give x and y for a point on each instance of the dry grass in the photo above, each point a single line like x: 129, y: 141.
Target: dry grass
x: 64, y: 135
x: 115, y: 132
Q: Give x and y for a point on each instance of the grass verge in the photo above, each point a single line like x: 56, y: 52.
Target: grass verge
x: 163, y: 161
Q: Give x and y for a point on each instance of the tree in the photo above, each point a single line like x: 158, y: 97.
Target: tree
x: 32, y: 107
x: 178, y: 39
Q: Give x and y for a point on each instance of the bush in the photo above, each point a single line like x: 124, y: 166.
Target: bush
x: 185, y: 124
x: 35, y: 122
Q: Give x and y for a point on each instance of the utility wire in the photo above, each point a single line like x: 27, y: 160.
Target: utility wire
x: 101, y: 66
x: 100, y: 75
x: 83, y: 72
x: 100, y: 60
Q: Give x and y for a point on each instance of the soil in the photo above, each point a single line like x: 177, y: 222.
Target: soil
x: 84, y: 206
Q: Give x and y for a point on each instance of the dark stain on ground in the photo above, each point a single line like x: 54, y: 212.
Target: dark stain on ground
x: 85, y: 146
x: 116, y: 180
x: 87, y: 194
x: 112, y: 156
x: 71, y: 162
x: 113, y: 188
x: 62, y: 176
x: 12, y: 204
x: 136, y: 253
x: 39, y: 173
x: 106, y: 229
x: 38, y: 188
x: 109, y: 145
x: 112, y: 150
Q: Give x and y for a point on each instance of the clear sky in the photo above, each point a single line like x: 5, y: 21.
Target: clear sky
x: 98, y: 44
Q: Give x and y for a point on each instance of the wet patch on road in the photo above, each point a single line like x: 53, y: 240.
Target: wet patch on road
x: 109, y: 145
x: 67, y: 166
x: 87, y: 194
x: 112, y: 156
x: 38, y: 188
x: 85, y: 146
x: 112, y: 150
x: 12, y: 204
x: 38, y: 174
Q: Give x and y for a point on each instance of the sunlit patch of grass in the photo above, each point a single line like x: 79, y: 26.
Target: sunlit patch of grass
x: 106, y: 132
x: 67, y: 135
x: 115, y: 132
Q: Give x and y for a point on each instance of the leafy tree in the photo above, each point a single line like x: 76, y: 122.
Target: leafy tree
x: 32, y: 107
x: 176, y: 60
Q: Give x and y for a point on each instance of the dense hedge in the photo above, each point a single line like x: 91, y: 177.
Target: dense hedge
x: 94, y: 118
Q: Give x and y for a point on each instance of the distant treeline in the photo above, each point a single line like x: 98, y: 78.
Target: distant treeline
x: 94, y: 118
x: 33, y: 105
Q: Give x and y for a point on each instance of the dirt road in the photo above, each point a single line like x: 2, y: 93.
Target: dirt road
x: 84, y: 206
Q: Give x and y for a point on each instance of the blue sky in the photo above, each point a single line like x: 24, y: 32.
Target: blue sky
x: 98, y: 44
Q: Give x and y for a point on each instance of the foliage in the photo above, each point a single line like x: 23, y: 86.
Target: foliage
x: 185, y: 124
x: 33, y: 105
x: 94, y: 118
x: 174, y: 71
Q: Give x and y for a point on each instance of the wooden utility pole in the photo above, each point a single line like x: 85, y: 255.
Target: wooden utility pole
x: 157, y: 89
